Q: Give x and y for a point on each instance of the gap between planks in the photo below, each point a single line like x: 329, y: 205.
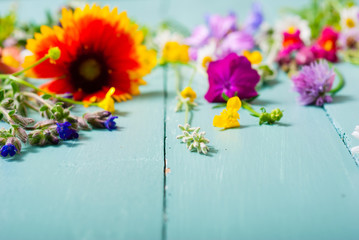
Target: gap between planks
x: 342, y: 135
x: 164, y: 197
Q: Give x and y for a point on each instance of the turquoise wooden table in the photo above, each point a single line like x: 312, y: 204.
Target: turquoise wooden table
x: 295, y: 180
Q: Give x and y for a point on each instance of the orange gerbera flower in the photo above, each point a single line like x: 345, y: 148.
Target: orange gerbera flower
x: 100, y: 49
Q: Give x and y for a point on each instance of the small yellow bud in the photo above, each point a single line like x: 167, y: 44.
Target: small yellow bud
x: 54, y: 53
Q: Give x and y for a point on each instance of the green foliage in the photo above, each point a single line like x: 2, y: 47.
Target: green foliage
x: 321, y: 13
x: 7, y: 26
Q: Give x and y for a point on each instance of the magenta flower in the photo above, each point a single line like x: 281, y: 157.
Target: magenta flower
x: 231, y: 75
x: 313, y: 83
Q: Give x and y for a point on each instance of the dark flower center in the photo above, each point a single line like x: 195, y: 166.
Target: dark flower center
x: 89, y: 72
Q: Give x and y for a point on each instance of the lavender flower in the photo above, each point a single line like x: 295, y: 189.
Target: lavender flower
x: 313, y: 83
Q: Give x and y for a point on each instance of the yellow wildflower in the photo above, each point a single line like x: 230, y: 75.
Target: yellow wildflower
x: 175, y: 52
x: 108, y: 103
x: 10, y: 61
x: 229, y: 116
x: 189, y: 93
x: 205, y: 62
x: 254, y: 57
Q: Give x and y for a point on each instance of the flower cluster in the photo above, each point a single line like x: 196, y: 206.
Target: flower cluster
x: 222, y: 35
x: 304, y: 39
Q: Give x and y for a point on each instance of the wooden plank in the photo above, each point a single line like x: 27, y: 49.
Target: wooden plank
x: 344, y: 111
x: 295, y: 180
x: 107, y: 185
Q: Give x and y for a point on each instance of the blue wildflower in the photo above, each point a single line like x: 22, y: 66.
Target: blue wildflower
x: 65, y: 132
x: 110, y: 123
x: 255, y: 19
x: 8, y: 149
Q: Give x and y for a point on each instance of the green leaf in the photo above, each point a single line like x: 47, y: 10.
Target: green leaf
x: 2, y: 95
x: 15, y: 87
x: 225, y: 97
x: 219, y: 105
x: 1, y: 116
x: 12, y: 112
x: 44, y: 108
x: 46, y: 96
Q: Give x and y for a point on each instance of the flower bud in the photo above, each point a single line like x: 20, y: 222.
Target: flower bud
x: 14, y: 141
x: 276, y: 114
x: 54, y: 53
x: 23, y: 121
x: 82, y: 124
x: 21, y: 134
x: 45, y: 123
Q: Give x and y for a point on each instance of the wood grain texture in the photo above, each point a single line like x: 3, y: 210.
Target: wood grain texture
x: 107, y: 185
x: 295, y: 180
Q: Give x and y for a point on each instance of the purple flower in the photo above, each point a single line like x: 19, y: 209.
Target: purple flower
x: 236, y: 42
x: 231, y: 75
x: 110, y: 123
x: 199, y: 37
x: 65, y: 132
x: 8, y: 149
x: 313, y: 83
x: 220, y: 26
x: 255, y: 19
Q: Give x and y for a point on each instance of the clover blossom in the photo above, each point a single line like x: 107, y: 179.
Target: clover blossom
x: 313, y: 83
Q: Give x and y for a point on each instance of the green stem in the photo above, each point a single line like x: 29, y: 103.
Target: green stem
x: 248, y: 107
x: 38, y: 98
x: 341, y: 83
x: 186, y: 113
x: 178, y: 79
x: 192, y: 77
x: 31, y: 106
x: 27, y: 84
x: 32, y: 65
x: 6, y: 114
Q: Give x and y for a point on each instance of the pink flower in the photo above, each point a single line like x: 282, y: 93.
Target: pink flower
x: 291, y: 42
x: 326, y: 45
